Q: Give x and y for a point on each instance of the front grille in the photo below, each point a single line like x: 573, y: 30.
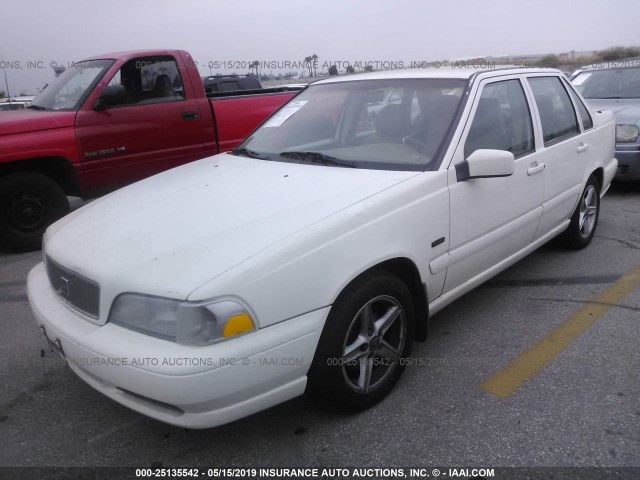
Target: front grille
x: 74, y: 289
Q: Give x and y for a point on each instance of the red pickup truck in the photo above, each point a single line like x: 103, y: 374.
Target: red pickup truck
x: 108, y: 121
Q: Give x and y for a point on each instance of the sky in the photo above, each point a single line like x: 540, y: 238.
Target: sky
x: 36, y: 33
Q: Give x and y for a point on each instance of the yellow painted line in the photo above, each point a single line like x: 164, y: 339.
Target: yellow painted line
x: 530, y: 362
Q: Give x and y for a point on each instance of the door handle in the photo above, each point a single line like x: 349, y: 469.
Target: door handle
x: 537, y: 168
x: 582, y: 147
x: 189, y: 115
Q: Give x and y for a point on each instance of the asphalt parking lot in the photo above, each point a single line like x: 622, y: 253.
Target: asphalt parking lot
x: 538, y: 367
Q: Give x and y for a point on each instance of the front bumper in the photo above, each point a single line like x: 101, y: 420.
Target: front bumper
x: 193, y: 387
x: 628, y: 156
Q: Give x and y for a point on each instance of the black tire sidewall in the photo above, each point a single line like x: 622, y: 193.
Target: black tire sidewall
x: 325, y: 377
x: 53, y: 198
x: 573, y: 237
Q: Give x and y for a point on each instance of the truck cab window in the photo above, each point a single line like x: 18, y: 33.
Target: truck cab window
x: 149, y: 80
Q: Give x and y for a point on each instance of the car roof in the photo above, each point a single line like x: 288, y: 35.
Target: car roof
x: 464, y: 73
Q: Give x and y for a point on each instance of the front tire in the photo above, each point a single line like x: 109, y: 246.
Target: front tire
x: 29, y: 203
x: 585, y: 217
x: 364, y: 345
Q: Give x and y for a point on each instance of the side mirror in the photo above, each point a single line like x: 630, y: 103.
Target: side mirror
x: 112, y: 95
x: 486, y: 164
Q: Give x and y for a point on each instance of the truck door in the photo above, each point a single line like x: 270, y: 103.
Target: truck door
x: 152, y: 123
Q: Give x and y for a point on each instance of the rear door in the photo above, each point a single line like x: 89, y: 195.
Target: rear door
x: 155, y: 127
x: 493, y: 218
x: 566, y: 152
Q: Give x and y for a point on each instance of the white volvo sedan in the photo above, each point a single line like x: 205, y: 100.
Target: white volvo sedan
x: 311, y: 257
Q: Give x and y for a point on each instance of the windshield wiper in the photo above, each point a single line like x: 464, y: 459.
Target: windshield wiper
x: 36, y: 107
x: 245, y: 152
x: 317, y: 157
x: 610, y: 98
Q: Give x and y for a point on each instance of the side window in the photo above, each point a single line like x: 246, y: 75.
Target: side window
x: 147, y: 80
x: 557, y: 115
x: 502, y: 120
x: 230, y: 86
x: 587, y: 121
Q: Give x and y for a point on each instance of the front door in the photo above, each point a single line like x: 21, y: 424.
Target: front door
x: 493, y: 218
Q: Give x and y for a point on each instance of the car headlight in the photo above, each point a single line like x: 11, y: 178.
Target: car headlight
x: 626, y: 133
x: 187, y: 323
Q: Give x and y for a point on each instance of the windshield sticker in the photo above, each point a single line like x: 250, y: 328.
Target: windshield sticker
x: 284, y: 114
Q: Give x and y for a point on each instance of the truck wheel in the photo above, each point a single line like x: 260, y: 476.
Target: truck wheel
x: 585, y: 217
x: 29, y: 203
x: 365, y: 342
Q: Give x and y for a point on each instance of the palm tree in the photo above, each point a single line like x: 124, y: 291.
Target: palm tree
x: 307, y: 62
x: 314, y: 59
x: 255, y: 64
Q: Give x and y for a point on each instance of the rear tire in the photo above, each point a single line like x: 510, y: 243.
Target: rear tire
x: 365, y: 342
x: 585, y: 217
x: 29, y: 203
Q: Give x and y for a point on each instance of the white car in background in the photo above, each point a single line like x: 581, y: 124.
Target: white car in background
x: 15, y: 103
x: 312, y: 256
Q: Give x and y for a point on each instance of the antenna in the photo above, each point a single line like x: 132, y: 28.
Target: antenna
x: 7, y: 84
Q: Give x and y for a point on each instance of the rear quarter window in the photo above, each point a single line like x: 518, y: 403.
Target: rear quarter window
x: 585, y: 116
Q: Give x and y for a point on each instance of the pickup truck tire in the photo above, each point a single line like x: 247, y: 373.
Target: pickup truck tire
x: 365, y: 342
x: 585, y: 217
x: 29, y: 203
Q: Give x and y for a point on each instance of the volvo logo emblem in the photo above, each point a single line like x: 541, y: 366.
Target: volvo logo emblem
x: 63, y: 290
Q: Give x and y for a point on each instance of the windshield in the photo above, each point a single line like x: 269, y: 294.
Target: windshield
x: 71, y: 88
x: 620, y: 83
x: 394, y: 124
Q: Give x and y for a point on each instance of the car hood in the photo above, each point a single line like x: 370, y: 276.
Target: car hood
x: 169, y: 234
x: 626, y: 111
x: 24, y: 121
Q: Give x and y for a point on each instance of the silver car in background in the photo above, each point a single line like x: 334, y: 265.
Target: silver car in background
x: 615, y: 86
x: 15, y: 103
